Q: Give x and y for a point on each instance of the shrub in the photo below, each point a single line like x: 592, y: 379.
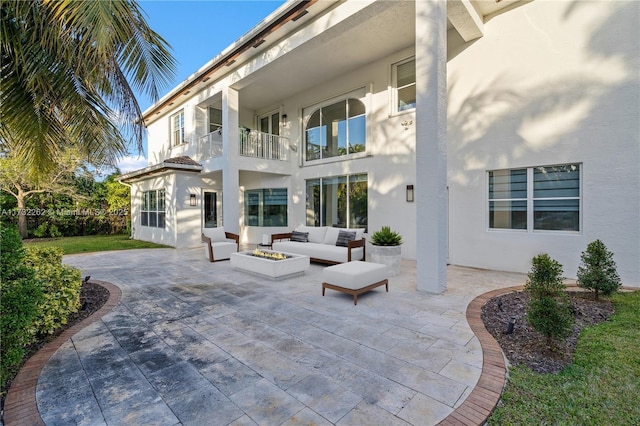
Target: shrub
x: 20, y: 295
x: 40, y: 231
x: 386, y: 237
x: 597, y: 270
x: 61, y: 286
x: 548, y: 309
x: 54, y: 232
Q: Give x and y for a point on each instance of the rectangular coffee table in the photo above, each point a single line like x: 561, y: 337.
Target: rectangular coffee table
x: 293, y: 265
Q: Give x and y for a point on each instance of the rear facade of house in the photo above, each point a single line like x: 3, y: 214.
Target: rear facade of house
x: 484, y: 132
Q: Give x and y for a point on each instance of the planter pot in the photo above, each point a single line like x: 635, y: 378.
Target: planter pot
x: 387, y: 255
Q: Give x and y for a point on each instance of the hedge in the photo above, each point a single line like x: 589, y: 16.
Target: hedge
x: 38, y: 293
x: 60, y: 286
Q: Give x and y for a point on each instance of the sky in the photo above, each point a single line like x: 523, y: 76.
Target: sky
x: 197, y: 31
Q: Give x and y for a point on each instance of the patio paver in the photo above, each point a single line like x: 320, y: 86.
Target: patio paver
x: 201, y: 342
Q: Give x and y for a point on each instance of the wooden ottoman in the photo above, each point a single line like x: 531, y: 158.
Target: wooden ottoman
x: 354, y: 278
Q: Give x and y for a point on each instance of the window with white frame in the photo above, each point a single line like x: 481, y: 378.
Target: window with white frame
x: 336, y: 128
x: 153, y: 209
x: 404, y: 85
x: 265, y: 207
x: 339, y: 201
x: 177, y: 128
x: 544, y: 198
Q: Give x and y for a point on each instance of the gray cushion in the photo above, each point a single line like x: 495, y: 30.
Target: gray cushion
x: 300, y: 237
x: 344, y: 237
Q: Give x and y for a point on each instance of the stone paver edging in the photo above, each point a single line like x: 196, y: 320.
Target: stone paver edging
x: 20, y: 407
x: 475, y: 410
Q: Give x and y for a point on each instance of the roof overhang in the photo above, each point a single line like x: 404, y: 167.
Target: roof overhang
x: 254, y: 39
x: 157, y: 169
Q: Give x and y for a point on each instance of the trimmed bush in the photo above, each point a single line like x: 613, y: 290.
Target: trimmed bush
x: 61, y: 286
x: 597, y: 270
x: 20, y: 295
x: 548, y: 310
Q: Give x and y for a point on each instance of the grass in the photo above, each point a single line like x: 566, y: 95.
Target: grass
x: 93, y: 243
x: 600, y: 387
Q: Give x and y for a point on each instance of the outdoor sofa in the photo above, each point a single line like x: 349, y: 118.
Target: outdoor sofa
x: 324, y: 244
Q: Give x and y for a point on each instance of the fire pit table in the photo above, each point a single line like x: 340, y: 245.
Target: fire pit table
x: 270, y: 264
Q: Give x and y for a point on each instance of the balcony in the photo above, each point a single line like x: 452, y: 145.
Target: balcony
x: 252, y: 144
x: 263, y: 145
x: 210, y: 145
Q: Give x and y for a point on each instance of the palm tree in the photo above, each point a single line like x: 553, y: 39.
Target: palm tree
x: 68, y: 71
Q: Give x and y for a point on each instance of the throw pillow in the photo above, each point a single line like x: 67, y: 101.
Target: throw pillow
x: 344, y: 237
x: 300, y: 237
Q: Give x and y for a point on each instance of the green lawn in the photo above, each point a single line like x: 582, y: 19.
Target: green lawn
x: 601, y: 387
x: 91, y: 243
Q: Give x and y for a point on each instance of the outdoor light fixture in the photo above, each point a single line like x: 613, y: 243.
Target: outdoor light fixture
x: 192, y: 199
x: 409, y: 193
x: 284, y: 117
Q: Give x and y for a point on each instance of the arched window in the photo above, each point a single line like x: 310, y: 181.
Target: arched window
x: 336, y: 129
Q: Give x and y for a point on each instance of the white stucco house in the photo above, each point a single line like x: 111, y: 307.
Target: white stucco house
x: 484, y: 131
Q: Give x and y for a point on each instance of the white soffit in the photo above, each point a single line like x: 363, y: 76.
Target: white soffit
x: 465, y: 19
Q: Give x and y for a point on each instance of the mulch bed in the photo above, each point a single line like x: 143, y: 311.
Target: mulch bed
x: 526, y: 346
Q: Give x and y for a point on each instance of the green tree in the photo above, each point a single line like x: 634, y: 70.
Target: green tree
x: 16, y: 181
x: 597, y: 270
x: 118, y: 198
x: 69, y: 70
x: 548, y: 309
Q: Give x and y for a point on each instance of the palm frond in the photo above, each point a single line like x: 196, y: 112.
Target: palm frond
x: 68, y: 73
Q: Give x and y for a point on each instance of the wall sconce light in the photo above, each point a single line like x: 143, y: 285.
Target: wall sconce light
x: 284, y: 117
x: 192, y: 199
x: 409, y: 193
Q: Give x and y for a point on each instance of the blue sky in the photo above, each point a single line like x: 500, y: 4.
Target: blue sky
x: 197, y: 31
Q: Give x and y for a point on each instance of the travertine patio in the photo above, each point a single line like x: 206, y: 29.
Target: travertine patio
x: 193, y: 342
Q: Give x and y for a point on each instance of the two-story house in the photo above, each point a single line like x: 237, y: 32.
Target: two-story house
x: 484, y: 131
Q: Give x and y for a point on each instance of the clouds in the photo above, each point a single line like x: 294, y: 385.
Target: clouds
x: 131, y: 163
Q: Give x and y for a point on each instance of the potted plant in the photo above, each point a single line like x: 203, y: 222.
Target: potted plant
x: 386, y: 249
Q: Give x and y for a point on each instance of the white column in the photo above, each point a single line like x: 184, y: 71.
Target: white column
x: 431, y: 145
x: 230, y: 173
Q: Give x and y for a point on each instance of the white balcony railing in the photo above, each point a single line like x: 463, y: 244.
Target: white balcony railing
x: 210, y: 145
x: 252, y: 144
x: 263, y: 145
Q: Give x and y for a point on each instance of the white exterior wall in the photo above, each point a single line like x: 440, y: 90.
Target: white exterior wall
x: 549, y: 83
x: 145, y: 233
x: 390, y: 161
x: 188, y: 219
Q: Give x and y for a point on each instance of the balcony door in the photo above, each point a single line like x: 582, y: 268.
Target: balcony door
x: 269, y: 123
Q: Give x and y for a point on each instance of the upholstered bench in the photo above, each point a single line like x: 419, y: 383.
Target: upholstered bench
x: 354, y: 278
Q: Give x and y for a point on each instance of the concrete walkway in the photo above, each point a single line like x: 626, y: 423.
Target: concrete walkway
x: 193, y: 342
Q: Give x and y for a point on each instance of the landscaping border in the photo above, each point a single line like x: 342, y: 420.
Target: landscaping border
x: 20, y: 406
x: 476, y: 409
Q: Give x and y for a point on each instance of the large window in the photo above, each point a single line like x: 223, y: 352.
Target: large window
x: 336, y: 129
x: 177, y: 128
x: 339, y: 201
x: 545, y: 198
x: 153, y: 212
x: 265, y: 207
x: 404, y: 85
